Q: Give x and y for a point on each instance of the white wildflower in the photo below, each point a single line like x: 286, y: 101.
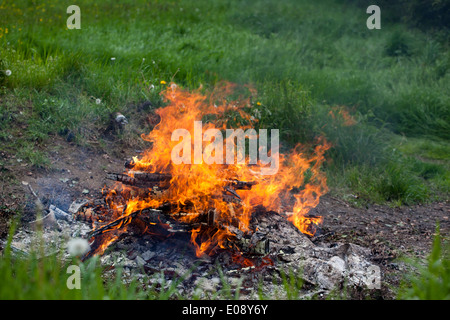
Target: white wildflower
x: 77, y: 247
x: 8, y: 73
x: 113, y: 58
x: 98, y: 101
x: 152, y: 87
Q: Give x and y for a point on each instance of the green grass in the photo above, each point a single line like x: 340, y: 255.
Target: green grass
x: 431, y: 150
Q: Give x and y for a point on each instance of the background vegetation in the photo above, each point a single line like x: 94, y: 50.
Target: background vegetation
x: 307, y: 60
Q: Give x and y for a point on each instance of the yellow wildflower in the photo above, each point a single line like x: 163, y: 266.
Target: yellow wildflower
x: 163, y: 82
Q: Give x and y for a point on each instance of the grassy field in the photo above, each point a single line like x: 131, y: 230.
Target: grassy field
x: 381, y: 97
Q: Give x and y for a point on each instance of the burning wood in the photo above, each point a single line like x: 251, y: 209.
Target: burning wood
x: 141, y: 179
x: 248, y: 243
x: 148, y: 180
x: 211, y: 201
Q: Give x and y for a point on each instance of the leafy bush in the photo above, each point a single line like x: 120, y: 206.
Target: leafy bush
x: 398, y: 44
x: 286, y: 105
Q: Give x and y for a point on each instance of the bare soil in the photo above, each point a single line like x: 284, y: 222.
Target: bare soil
x: 391, y: 233
x: 75, y: 172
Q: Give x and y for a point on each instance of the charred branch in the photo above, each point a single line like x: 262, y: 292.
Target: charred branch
x: 141, y: 179
x: 149, y: 180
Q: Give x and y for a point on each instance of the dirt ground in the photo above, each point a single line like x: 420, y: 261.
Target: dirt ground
x: 75, y: 172
x: 78, y: 172
x: 390, y: 233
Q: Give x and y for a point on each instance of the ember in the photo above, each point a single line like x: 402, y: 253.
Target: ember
x: 212, y: 202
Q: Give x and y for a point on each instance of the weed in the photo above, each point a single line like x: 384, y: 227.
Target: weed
x: 432, y: 280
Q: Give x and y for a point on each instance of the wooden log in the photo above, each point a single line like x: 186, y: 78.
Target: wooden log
x: 250, y: 244
x: 240, y: 185
x: 141, y: 179
x: 147, y: 179
x: 153, y: 216
x: 129, y: 164
x: 230, y: 191
x: 114, y: 225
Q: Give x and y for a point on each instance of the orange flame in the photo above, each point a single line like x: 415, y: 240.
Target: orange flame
x: 202, y: 185
x: 345, y: 116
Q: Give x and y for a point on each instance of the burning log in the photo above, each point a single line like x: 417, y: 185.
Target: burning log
x: 129, y: 164
x: 141, y: 179
x: 149, y: 180
x: 174, y: 220
x: 241, y: 185
x: 144, y: 180
x: 119, y: 223
x: 158, y: 216
x: 249, y: 243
